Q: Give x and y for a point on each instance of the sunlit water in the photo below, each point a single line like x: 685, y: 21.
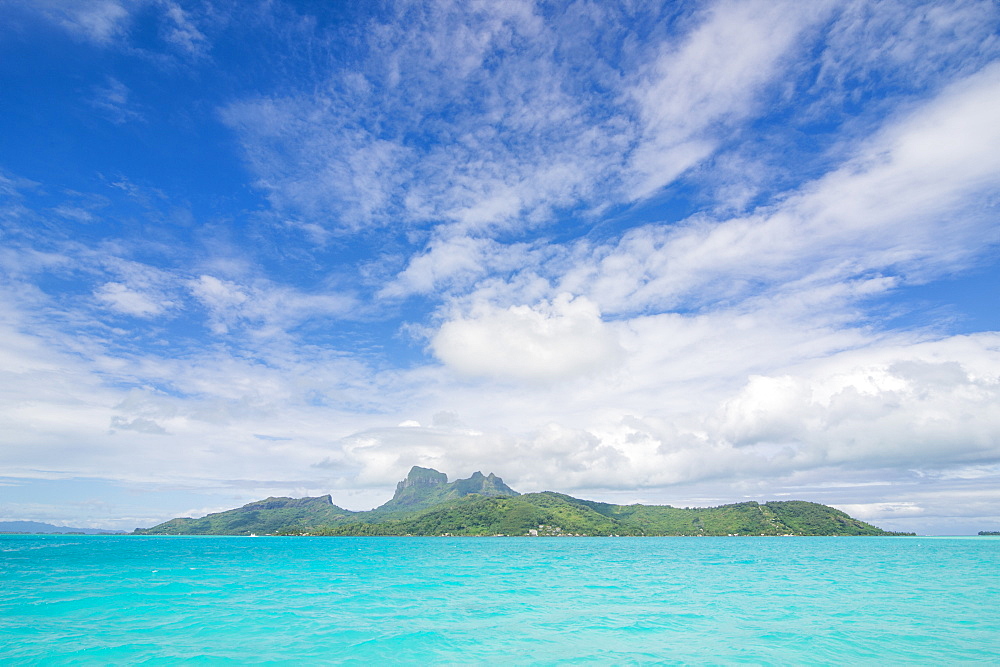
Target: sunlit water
x: 124, y: 599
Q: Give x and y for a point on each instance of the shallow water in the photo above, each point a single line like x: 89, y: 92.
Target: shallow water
x: 128, y: 599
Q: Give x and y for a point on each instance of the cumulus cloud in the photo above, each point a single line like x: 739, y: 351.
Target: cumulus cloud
x: 924, y: 406
x: 551, y: 341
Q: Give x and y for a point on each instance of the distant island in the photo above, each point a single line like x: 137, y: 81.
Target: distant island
x: 37, y: 527
x: 989, y: 532
x: 427, y: 504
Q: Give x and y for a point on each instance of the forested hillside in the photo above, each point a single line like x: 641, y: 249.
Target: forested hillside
x: 425, y: 503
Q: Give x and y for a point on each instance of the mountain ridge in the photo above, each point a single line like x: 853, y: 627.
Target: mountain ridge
x: 425, y: 503
x: 41, y: 528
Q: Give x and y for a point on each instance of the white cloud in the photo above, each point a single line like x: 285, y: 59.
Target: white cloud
x: 450, y: 143
x: 554, y: 340
x: 74, y: 213
x: 108, y: 24
x: 130, y: 302
x: 709, y: 82
x: 492, y: 138
x: 181, y: 31
x: 922, y: 406
x: 113, y: 100
x: 904, y: 43
x: 313, y: 164
x: 263, y: 307
x: 222, y: 298
x: 461, y: 258
x: 100, y: 21
x: 456, y: 262
x: 138, y: 424
x: 909, y: 202
x: 71, y: 406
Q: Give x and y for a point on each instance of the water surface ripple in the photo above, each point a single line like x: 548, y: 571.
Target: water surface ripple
x: 218, y: 600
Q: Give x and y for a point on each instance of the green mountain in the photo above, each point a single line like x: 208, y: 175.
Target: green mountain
x: 425, y: 503
x: 555, y: 514
x: 423, y: 488
x: 262, y: 516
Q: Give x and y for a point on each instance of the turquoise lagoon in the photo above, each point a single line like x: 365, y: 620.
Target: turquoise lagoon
x: 238, y: 600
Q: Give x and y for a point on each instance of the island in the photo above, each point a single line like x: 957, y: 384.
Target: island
x: 39, y: 528
x: 427, y: 504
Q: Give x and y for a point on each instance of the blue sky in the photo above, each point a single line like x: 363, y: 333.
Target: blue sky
x: 685, y: 253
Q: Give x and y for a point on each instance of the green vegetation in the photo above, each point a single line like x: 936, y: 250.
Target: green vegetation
x: 989, y: 532
x: 425, y: 503
x: 556, y: 514
x: 272, y: 515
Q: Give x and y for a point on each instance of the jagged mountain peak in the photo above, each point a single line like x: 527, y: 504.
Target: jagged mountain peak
x: 422, y: 477
x: 426, y: 486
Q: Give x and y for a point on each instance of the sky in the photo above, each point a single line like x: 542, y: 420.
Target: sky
x: 685, y: 253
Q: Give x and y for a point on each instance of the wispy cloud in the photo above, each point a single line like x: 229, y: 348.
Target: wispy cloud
x: 180, y: 31
x: 263, y: 306
x: 515, y: 142
x: 696, y: 92
x: 99, y: 21
x: 113, y: 100
x: 108, y: 24
x: 903, y: 46
x: 911, y: 202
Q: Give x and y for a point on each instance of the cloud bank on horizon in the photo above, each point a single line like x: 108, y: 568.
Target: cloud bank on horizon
x: 686, y: 253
